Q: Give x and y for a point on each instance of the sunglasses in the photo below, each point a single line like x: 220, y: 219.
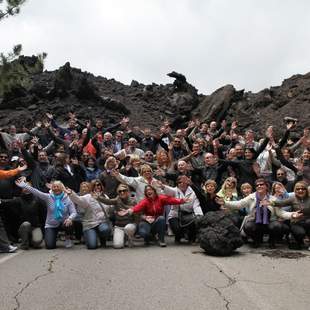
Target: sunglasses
x: 260, y: 184
x: 5, y: 157
x: 301, y: 189
x: 122, y: 191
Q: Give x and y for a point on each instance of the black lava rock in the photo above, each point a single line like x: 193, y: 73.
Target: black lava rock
x: 218, y: 235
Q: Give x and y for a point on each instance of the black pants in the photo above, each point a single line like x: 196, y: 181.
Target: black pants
x: 274, y: 229
x: 300, y: 230
x: 4, y: 241
x: 179, y: 231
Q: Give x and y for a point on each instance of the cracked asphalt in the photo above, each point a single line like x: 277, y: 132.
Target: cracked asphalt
x: 176, y: 277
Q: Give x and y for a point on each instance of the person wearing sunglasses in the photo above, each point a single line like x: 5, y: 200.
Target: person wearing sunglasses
x: 125, y: 224
x: 262, y: 216
x: 299, y: 202
x: 95, y: 216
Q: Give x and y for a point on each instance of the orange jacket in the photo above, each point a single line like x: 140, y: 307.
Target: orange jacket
x: 5, y: 174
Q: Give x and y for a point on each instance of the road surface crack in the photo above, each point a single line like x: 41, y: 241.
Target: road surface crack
x: 28, y: 284
x: 218, y: 289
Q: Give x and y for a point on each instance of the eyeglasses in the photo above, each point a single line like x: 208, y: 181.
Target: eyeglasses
x: 4, y: 157
x: 97, y: 184
x: 280, y: 174
x: 148, y: 155
x: 122, y: 191
x: 260, y: 184
x: 300, y: 189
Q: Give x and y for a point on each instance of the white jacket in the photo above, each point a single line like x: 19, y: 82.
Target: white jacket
x: 249, y: 202
x: 192, y: 206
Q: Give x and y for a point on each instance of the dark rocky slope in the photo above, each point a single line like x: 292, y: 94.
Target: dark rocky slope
x: 69, y: 89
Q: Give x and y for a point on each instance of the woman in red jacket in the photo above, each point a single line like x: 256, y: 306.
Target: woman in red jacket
x: 152, y: 209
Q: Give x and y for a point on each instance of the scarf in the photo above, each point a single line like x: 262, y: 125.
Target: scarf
x: 58, y: 206
x: 262, y: 213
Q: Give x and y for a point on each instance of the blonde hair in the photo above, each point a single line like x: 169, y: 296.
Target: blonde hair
x: 58, y: 183
x: 144, y: 168
x: 209, y: 182
x: 134, y: 157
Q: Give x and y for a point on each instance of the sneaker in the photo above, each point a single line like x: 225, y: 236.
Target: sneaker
x: 162, y: 244
x: 12, y: 249
x: 68, y: 243
x: 309, y: 248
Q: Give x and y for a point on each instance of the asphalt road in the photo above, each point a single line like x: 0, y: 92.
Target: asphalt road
x: 176, y: 277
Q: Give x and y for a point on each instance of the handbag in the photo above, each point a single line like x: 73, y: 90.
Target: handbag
x: 186, y: 218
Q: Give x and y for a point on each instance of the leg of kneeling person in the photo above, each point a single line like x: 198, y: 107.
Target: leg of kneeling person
x: 24, y: 232
x: 90, y: 237
x: 130, y: 230
x: 36, y: 237
x: 145, y: 231
x: 118, y: 237
x: 50, y: 237
x: 158, y: 227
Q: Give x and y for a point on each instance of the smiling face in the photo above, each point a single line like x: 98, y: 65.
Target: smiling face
x: 57, y: 188
x: 210, y: 188
x: 248, y: 154
x: 261, y: 187
x: 209, y: 159
x: 278, y: 189
x: 150, y: 192
x: 301, y: 190
x: 246, y: 189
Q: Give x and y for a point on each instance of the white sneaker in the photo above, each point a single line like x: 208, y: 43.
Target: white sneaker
x: 68, y: 243
x: 12, y: 249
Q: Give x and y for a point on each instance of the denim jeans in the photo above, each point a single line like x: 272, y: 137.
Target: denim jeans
x: 103, y: 231
x: 50, y: 237
x: 157, y: 227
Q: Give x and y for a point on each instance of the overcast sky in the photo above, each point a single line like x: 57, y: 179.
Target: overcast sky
x: 251, y: 44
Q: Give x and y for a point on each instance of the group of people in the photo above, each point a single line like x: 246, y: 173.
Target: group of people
x: 95, y: 184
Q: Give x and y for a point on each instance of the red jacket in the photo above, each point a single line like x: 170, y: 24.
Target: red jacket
x: 155, y: 207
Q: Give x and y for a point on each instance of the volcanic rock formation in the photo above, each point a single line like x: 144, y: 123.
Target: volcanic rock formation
x: 69, y: 89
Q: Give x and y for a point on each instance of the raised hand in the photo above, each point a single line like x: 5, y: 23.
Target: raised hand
x: 234, y: 125
x: 49, y: 116
x: 68, y: 190
x: 47, y: 123
x: 72, y: 115
x: 20, y: 181
x: 22, y: 168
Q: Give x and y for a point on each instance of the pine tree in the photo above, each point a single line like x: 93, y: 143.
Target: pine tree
x: 14, y: 72
x: 12, y: 7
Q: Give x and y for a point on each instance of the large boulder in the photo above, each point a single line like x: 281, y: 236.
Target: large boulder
x: 218, y: 235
